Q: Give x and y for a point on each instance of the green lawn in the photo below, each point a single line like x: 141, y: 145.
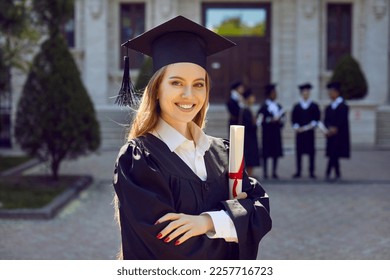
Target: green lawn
x: 7, y: 162
x: 31, y: 191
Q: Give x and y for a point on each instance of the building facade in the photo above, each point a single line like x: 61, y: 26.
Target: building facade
x: 283, y: 41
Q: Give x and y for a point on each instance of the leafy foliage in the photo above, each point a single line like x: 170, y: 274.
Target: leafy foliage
x: 55, y: 116
x: 236, y: 27
x: 351, y: 77
x: 53, y: 13
x: 4, y: 74
x: 19, y: 32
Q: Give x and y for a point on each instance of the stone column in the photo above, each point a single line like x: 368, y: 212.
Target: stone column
x: 164, y: 10
x: 95, y: 49
x: 375, y: 67
x: 308, y: 45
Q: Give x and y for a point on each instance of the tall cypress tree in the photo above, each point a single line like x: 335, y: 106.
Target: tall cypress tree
x: 351, y: 77
x: 55, y: 117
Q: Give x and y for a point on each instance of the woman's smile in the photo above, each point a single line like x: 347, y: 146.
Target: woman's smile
x: 186, y: 107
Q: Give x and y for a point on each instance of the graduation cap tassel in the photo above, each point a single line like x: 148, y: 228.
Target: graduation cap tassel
x: 127, y: 94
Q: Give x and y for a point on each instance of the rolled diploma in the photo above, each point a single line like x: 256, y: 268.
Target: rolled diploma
x: 236, y: 160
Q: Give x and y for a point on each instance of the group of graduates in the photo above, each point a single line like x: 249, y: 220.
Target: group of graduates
x: 305, y: 118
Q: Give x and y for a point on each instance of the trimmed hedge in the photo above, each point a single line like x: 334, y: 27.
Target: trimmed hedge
x: 351, y: 77
x: 55, y: 117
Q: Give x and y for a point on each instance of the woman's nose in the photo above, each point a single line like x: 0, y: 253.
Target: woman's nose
x: 187, y: 92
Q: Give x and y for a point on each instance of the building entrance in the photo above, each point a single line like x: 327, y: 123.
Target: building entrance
x: 249, y: 26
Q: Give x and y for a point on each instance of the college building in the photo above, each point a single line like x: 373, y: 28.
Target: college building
x: 287, y: 42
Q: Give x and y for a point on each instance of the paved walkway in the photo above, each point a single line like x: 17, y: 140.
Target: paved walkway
x: 312, y: 219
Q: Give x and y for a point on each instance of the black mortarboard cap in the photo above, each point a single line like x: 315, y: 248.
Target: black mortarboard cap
x: 235, y: 84
x: 178, y: 40
x: 334, y: 85
x: 269, y: 88
x: 305, y: 86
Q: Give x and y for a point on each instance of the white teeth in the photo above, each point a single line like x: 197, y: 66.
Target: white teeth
x: 185, y: 106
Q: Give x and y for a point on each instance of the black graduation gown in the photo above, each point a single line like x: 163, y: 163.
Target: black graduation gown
x: 251, y: 147
x: 338, y: 145
x: 305, y: 141
x: 151, y: 181
x: 234, y: 111
x: 271, y: 134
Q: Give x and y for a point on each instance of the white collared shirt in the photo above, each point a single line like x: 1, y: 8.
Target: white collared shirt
x: 192, y: 153
x: 235, y: 95
x: 272, y: 107
x: 305, y: 104
x: 336, y: 102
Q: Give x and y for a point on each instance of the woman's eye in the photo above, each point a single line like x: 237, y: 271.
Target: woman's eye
x: 176, y: 83
x: 199, y: 85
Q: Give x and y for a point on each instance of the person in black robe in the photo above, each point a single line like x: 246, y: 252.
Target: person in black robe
x: 337, y: 135
x: 304, y: 118
x: 235, y: 102
x: 271, y: 116
x: 248, y: 120
x: 171, y: 179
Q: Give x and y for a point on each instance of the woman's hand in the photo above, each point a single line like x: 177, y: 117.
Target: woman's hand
x: 332, y: 131
x: 242, y: 195
x: 185, y: 226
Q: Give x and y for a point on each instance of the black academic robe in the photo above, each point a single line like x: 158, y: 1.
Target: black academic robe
x: 305, y: 141
x: 338, y: 145
x: 271, y: 133
x: 251, y: 147
x: 234, y: 111
x: 151, y: 181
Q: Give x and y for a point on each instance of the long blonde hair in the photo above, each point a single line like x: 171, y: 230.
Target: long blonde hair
x: 148, y: 112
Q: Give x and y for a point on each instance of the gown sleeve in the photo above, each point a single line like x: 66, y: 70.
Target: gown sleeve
x: 251, y: 217
x: 144, y: 195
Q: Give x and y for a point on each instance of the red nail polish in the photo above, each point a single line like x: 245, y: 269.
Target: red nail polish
x: 159, y: 236
x: 177, y: 243
x: 166, y: 240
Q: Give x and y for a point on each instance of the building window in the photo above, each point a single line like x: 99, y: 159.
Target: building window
x: 236, y: 21
x: 132, y: 24
x: 339, y: 33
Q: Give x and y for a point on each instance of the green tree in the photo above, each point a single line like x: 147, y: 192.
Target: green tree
x: 17, y: 38
x: 55, y: 118
x: 4, y: 74
x: 236, y: 27
x: 351, y: 77
x: 19, y: 33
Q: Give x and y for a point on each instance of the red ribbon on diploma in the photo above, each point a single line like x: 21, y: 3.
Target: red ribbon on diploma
x: 237, y: 176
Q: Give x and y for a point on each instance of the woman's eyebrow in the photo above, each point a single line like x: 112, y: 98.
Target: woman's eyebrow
x: 180, y: 78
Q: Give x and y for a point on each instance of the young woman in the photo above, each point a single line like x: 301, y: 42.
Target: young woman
x: 171, y: 179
